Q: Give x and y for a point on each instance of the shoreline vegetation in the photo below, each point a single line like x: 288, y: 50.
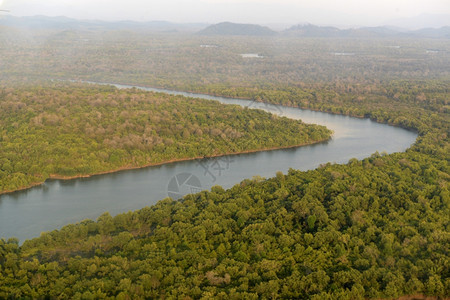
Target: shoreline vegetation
x: 349, y: 219
x: 59, y: 177
x: 246, y: 98
x: 142, y: 88
x: 69, y: 130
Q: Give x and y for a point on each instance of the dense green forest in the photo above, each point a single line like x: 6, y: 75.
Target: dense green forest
x: 376, y: 228
x: 69, y: 130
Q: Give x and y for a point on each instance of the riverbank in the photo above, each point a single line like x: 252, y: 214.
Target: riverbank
x: 57, y: 203
x: 211, y: 96
x: 127, y: 168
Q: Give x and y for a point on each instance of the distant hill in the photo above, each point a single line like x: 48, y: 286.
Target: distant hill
x: 422, y: 21
x: 309, y: 30
x: 225, y: 28
x: 228, y: 28
x: 44, y: 22
x: 443, y: 32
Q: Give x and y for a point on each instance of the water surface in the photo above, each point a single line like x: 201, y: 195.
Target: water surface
x: 26, y: 214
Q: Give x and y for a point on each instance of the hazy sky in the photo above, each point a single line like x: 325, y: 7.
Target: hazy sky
x: 330, y: 12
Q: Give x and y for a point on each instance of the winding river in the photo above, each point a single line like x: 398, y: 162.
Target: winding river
x: 25, y: 214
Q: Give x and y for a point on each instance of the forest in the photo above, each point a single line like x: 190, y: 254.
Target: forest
x: 178, y: 61
x: 376, y: 228
x: 369, y: 229
x: 69, y: 129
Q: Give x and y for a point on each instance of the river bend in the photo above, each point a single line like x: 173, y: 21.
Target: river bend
x: 25, y: 214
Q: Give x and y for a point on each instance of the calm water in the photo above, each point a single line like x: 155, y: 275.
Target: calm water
x: 56, y: 203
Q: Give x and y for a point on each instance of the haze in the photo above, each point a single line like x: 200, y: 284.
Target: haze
x: 322, y: 12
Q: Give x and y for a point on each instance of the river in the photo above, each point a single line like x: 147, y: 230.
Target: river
x: 25, y: 214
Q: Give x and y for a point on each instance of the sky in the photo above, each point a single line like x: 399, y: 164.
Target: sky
x: 322, y: 12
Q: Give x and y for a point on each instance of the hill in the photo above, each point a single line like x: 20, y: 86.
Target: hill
x: 309, y: 30
x: 224, y: 29
x: 64, y: 23
x: 422, y: 21
x: 443, y: 32
x: 228, y: 28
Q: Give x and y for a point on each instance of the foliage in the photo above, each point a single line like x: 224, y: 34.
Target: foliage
x: 75, y: 130
x: 376, y: 228
x: 379, y: 229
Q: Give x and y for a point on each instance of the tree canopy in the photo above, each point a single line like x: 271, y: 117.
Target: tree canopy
x: 66, y: 130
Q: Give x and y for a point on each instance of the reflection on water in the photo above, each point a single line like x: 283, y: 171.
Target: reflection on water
x: 25, y: 214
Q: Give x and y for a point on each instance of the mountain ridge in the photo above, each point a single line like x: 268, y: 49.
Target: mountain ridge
x: 310, y: 30
x: 62, y: 22
x: 229, y: 28
x: 223, y: 28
